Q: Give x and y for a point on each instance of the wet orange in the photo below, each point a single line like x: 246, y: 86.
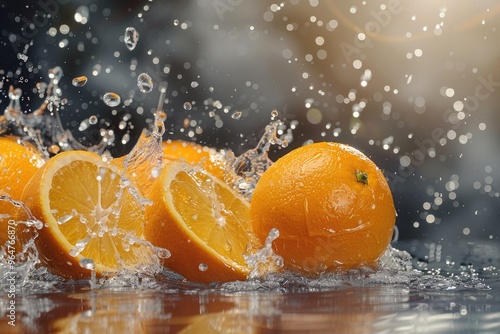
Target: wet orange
x: 19, y: 160
x: 202, y: 222
x: 332, y: 206
x: 87, y: 213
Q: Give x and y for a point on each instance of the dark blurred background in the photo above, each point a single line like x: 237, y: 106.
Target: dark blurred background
x: 413, y: 84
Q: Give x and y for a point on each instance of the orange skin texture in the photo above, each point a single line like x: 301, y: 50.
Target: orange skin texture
x: 19, y: 160
x: 327, y: 219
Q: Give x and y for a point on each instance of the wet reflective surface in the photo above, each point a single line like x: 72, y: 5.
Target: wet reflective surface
x: 427, y: 303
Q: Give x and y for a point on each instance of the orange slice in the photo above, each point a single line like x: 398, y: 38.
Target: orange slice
x: 202, y: 222
x: 88, y: 213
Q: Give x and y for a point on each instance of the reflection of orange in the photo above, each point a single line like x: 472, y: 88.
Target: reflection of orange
x: 351, y: 310
x: 231, y: 321
x: 133, y: 312
x: 331, y: 204
x: 87, y: 214
x: 18, y: 162
x: 100, y: 321
x: 5, y: 328
x: 194, y: 154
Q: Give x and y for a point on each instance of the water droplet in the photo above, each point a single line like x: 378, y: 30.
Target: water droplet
x: 83, y: 125
x: 87, y: 264
x: 111, y: 99
x: 22, y: 56
x: 79, y: 81
x: 15, y: 94
x: 163, y: 253
x: 131, y: 38
x: 161, y: 115
x: 65, y: 219
x: 79, y: 247
x: 54, y: 149
x: 236, y: 115
x: 159, y: 125
x: 203, y: 267
x: 56, y: 74
x: 176, y: 22
x: 274, y: 113
x: 93, y: 119
x: 145, y: 83
x: 187, y: 106
x: 155, y: 172
x: 125, y: 138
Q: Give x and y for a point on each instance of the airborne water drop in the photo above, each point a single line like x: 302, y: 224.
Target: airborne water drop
x: 79, y: 81
x: 236, y: 115
x: 145, y: 83
x: 111, y: 99
x: 131, y: 38
x: 93, y: 119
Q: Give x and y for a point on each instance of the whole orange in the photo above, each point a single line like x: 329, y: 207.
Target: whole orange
x: 331, y: 204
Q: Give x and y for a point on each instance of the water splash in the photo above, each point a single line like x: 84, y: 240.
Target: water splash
x: 246, y: 169
x: 146, y: 157
x: 265, y: 261
x: 90, y: 265
x: 43, y: 127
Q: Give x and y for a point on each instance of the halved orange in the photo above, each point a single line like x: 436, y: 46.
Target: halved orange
x: 19, y: 160
x: 202, y: 222
x: 88, y: 213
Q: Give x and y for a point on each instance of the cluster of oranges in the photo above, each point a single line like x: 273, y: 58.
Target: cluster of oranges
x: 330, y: 203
